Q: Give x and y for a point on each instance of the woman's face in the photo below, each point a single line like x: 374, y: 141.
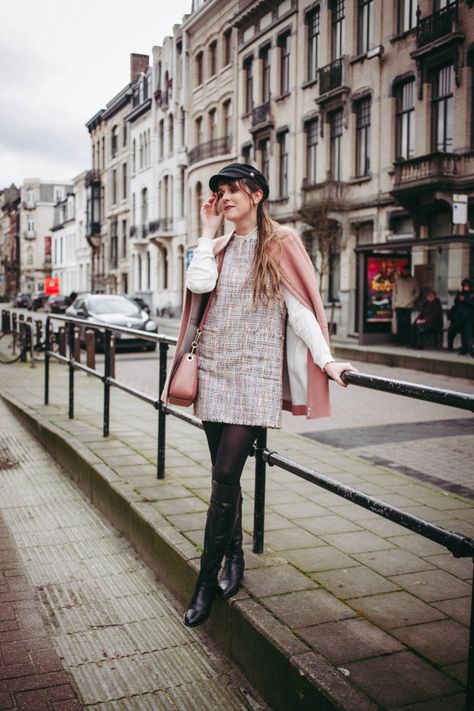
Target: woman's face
x: 234, y: 202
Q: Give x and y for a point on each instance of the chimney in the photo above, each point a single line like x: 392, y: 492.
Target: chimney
x: 138, y: 65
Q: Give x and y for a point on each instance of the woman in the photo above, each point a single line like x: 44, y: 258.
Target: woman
x: 264, y: 344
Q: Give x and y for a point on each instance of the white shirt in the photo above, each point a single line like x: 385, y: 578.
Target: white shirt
x: 201, y: 278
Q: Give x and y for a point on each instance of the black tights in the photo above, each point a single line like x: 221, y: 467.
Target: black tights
x: 229, y: 446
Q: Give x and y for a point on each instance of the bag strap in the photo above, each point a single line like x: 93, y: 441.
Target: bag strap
x: 197, y: 335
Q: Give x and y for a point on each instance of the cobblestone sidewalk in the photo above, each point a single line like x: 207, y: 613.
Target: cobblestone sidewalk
x: 83, y: 623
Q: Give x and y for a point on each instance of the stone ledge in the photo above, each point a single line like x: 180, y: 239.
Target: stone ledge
x: 285, y: 671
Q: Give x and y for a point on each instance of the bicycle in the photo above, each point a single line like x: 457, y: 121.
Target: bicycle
x: 13, y: 345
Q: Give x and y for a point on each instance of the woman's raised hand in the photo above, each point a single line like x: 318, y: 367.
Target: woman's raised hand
x: 210, y: 220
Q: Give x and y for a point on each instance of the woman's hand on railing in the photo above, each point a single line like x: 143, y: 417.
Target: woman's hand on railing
x: 335, y: 370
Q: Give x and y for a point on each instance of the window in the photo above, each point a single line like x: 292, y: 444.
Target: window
x: 443, y: 109
x: 170, y: 134
x: 124, y: 181
x: 335, y: 138
x: 227, y: 48
x: 405, y: 120
x: 247, y: 153
x: 124, y: 238
x: 265, y: 64
x: 362, y: 110
x: 212, y: 123
x: 198, y: 206
x: 364, y: 26
x: 334, y: 272
x: 199, y: 67
x: 140, y: 153
x: 124, y: 134
x: 248, y: 70
x: 114, y: 187
x: 311, y: 130
x: 134, y: 209
x: 312, y: 24
x: 282, y: 139
x: 337, y: 29
x: 264, y: 147
x: 161, y: 138
x: 182, y: 122
x: 182, y: 183
x: 284, y: 44
x: 114, y: 141
x: 406, y: 15
x: 148, y: 270
x: 134, y: 156
x: 113, y: 245
x: 144, y: 207
x: 226, y: 118
x: 213, y: 58
x: 198, y: 130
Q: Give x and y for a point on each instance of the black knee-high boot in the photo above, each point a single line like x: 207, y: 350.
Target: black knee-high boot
x: 233, y: 570
x: 219, y: 527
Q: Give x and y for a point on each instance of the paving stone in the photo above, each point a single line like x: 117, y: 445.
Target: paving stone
x: 432, y: 585
x: 283, y: 579
x: 356, y: 541
x: 400, y: 678
x: 307, y: 607
x: 349, y: 640
x: 288, y: 538
x: 354, y: 582
x: 459, y: 609
x: 298, y: 510
x: 393, y: 562
x: 443, y: 642
x: 328, y: 524
x: 173, y: 507
x: 418, y: 545
x: 453, y: 702
x: 460, y: 567
x: 316, y: 559
x: 395, y: 609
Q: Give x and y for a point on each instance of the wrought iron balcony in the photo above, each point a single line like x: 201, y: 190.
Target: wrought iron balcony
x: 331, y: 76
x: 139, y: 233
x: 164, y: 224
x: 261, y: 115
x: 92, y: 176
x: 426, y: 170
x: 209, y: 149
x: 439, y: 24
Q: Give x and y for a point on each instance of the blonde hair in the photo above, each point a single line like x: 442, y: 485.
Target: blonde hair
x: 266, y: 273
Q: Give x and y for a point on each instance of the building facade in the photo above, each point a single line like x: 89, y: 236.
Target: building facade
x: 36, y: 220
x: 10, y: 199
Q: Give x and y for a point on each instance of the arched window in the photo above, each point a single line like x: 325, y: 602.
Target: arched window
x: 162, y: 267
x: 148, y: 270
x: 170, y: 134
x: 144, y: 207
x: 114, y: 141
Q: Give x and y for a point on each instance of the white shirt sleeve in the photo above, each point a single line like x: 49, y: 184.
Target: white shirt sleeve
x: 201, y: 276
x: 305, y: 325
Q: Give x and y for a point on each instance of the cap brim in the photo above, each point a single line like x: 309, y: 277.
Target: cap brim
x: 221, y: 178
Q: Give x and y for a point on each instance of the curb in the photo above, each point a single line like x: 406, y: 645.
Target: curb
x: 415, y: 361
x: 279, y: 665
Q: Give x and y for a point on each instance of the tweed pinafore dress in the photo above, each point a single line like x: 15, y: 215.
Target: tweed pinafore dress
x: 240, y: 352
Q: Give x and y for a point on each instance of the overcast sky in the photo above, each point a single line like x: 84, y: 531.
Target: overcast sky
x: 60, y: 62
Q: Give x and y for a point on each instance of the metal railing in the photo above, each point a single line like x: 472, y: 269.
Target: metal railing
x: 459, y: 545
x: 331, y: 76
x: 439, y: 24
x: 209, y: 149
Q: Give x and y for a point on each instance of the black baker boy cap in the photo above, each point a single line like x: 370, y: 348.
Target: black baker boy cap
x: 237, y: 171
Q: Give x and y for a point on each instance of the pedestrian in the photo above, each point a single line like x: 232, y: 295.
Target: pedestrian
x: 463, y: 318
x: 405, y: 293
x: 246, y: 370
x: 429, y: 321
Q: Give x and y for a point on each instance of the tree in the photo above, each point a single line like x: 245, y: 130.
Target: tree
x: 326, y: 233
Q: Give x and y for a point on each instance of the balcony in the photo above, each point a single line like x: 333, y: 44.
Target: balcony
x: 209, y: 149
x: 331, y: 193
x: 164, y: 224
x: 330, y: 76
x: 436, y: 26
x: 435, y: 170
x: 261, y: 117
x: 29, y: 233
x: 139, y: 233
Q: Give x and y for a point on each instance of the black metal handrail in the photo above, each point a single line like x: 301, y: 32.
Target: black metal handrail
x: 458, y: 544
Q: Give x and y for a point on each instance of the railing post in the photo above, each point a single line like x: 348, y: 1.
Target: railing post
x: 24, y: 341
x: 160, y: 462
x: 47, y: 346
x: 259, y: 501
x: 470, y: 659
x: 89, y: 338
x: 71, y: 331
x: 106, y: 425
x: 5, y: 320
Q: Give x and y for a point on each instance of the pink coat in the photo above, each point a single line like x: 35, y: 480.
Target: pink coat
x: 297, y: 273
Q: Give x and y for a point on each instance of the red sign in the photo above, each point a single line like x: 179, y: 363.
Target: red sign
x: 382, y: 272
x: 51, y: 285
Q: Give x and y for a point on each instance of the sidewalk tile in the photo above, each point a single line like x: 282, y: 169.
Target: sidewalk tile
x: 418, y: 545
x: 328, y: 524
x: 400, y: 678
x: 357, y: 542
x: 460, y: 567
x: 349, y: 640
x: 307, y: 607
x: 432, y: 585
x: 315, y: 559
x: 453, y: 702
x: 431, y: 639
x: 283, y: 579
x: 459, y: 609
x: 395, y: 609
x: 393, y: 562
x: 288, y: 538
x: 354, y: 582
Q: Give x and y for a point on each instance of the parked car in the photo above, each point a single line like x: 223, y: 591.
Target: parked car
x: 22, y: 300
x: 116, y: 310
x: 141, y: 303
x: 37, y: 300
x: 56, y: 304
